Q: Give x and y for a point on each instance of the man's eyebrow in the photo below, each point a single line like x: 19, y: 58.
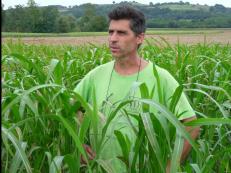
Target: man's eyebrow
x: 122, y: 31
x: 118, y: 31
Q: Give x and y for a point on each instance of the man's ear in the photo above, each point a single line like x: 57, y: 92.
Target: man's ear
x: 140, y: 38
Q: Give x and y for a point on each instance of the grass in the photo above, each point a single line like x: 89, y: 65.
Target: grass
x: 40, y: 131
x: 150, y: 31
x: 71, y: 34
x: 190, y: 7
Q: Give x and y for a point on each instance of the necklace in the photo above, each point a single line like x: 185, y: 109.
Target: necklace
x: 110, y: 79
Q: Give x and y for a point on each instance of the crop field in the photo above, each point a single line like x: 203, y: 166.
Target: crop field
x: 41, y: 133
x: 150, y: 31
x: 173, y: 36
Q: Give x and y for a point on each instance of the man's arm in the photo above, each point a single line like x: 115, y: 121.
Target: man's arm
x: 79, y: 116
x: 194, y: 133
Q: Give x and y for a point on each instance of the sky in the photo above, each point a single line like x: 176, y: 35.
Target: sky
x: 12, y: 3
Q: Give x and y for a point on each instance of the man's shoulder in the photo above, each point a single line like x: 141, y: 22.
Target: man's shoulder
x: 106, y: 66
x: 164, y: 75
x: 103, y: 68
x: 94, y: 76
x: 162, y: 72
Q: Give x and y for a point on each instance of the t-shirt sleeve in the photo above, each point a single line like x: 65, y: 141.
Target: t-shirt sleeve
x: 83, y: 88
x: 183, y: 109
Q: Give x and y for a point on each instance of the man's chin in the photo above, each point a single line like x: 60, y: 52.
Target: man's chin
x: 116, y: 55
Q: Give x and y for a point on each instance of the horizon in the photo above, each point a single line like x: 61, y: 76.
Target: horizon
x: 69, y: 3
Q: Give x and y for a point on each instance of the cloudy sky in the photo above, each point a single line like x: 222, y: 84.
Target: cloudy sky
x: 7, y: 3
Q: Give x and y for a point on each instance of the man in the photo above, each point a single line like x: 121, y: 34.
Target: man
x: 113, y: 81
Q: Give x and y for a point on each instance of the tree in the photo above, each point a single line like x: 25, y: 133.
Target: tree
x: 3, y: 15
x: 65, y: 24
x: 98, y: 23
x: 49, y: 18
x: 62, y: 24
x: 15, y: 19
x: 151, y: 4
x: 89, y: 10
x: 34, y: 17
x: 31, y: 3
x: 217, y: 8
x: 90, y: 21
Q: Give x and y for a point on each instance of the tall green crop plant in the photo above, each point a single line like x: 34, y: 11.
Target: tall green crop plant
x: 23, y: 100
x: 39, y: 110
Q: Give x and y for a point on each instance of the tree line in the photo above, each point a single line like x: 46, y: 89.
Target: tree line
x: 49, y: 19
x: 92, y: 17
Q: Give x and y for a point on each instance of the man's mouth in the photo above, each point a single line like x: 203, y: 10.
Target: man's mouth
x: 114, y: 48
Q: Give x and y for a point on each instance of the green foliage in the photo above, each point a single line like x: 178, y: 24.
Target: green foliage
x: 31, y: 19
x: 15, y: 22
x: 49, y: 17
x: 65, y: 24
x: 150, y: 31
x: 40, y: 131
x: 91, y: 17
x: 90, y: 21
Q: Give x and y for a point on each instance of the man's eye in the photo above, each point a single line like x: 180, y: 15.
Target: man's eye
x: 121, y: 32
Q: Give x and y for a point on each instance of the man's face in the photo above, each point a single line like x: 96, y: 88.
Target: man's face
x: 122, y: 40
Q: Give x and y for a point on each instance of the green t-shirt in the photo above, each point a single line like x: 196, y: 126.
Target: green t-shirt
x: 113, y: 87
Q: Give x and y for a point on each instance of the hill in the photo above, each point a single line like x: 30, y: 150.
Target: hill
x: 93, y: 17
x: 171, y: 15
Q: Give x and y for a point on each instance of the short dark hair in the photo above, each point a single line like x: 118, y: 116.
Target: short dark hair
x: 136, y: 17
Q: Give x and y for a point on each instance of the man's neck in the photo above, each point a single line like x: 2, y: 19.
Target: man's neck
x: 129, y: 65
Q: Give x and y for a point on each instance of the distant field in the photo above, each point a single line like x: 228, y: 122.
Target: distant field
x: 163, y: 31
x: 173, y: 36
x: 71, y: 34
x: 150, y: 31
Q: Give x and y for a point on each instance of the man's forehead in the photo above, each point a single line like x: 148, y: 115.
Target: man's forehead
x: 120, y: 24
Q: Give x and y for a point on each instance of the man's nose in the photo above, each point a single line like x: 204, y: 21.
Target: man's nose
x: 113, y: 37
